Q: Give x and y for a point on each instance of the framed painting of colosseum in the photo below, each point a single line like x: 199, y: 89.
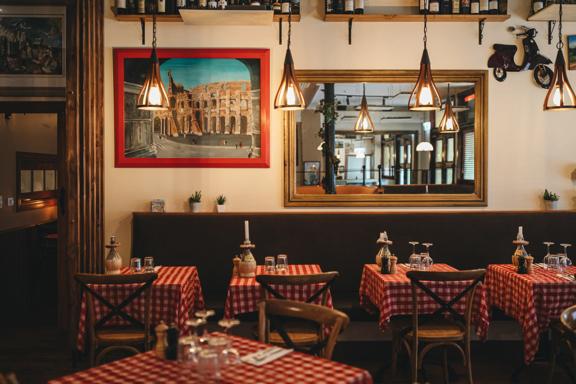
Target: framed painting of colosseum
x: 219, y: 109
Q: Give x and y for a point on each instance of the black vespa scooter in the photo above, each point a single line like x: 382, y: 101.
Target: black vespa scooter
x: 503, y: 59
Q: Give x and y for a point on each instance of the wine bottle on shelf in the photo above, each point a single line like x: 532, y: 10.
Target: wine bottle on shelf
x: 537, y: 5
x: 445, y: 7
x: 286, y: 6
x: 267, y: 4
x: 277, y: 7
x: 503, y: 7
x: 474, y: 7
x: 150, y: 5
x: 484, y: 6
x: 328, y: 7
x: 434, y: 7
x: 161, y: 6
x: 348, y: 6
x: 423, y: 6
x: 338, y: 6
x: 456, y: 7
x: 181, y: 4
x: 464, y: 7
x: 141, y: 9
x: 493, y: 7
x: 359, y: 6
x: 120, y: 7
x: 296, y: 7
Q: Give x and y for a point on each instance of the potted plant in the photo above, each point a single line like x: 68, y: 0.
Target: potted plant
x: 550, y: 200
x: 194, y: 201
x: 220, y: 204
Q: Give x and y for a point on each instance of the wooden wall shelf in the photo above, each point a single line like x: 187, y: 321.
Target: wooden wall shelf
x: 178, y: 18
x: 413, y: 18
x: 550, y: 13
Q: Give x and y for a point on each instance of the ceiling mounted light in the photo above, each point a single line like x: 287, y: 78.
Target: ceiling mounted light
x: 424, y: 146
x: 289, y: 96
x: 424, y: 96
x: 449, y: 122
x: 153, y: 96
x: 560, y: 96
x: 364, y: 124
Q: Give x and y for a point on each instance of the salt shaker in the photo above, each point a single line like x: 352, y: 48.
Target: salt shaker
x: 160, y: 348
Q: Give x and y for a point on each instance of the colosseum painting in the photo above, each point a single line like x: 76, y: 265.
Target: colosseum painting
x: 215, y: 110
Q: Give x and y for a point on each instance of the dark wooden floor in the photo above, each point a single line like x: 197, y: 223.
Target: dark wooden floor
x: 39, y: 354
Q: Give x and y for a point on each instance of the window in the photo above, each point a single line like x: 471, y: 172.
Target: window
x: 468, y: 158
x: 439, y: 150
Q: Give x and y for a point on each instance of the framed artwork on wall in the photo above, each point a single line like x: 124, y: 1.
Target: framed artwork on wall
x: 32, y: 50
x: 571, y: 52
x: 219, y: 113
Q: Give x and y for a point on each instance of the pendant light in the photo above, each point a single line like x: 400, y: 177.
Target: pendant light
x: 424, y: 96
x: 364, y: 124
x: 153, y: 96
x: 289, y: 96
x: 449, y: 122
x: 560, y: 96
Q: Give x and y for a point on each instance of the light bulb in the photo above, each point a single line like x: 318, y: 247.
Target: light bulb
x: 425, y: 96
x: 557, y: 97
x: 154, y: 97
x: 290, y: 95
x: 449, y: 124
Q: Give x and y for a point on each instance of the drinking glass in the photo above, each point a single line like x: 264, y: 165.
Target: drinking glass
x: 414, y: 259
x: 148, y: 264
x: 426, y: 260
x: 270, y: 264
x: 564, y: 260
x: 188, y: 349
x: 547, y: 256
x: 205, y: 314
x: 135, y: 265
x: 226, y: 354
x: 193, y: 325
x: 208, y: 364
x: 282, y: 263
x: 554, y: 262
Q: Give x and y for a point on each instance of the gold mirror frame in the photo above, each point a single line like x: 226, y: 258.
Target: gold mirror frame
x: 476, y: 199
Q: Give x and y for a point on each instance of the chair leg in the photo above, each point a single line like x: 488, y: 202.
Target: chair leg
x: 445, y: 365
x: 92, y: 355
x: 469, y: 363
x: 414, y: 363
x: 395, y: 350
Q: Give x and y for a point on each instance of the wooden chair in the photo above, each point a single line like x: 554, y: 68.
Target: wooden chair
x: 9, y: 378
x: 274, y: 314
x: 564, y: 344
x: 445, y: 327
x: 111, y: 338
x: 301, y: 333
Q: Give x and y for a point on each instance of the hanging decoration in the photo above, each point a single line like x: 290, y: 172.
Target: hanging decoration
x: 449, y: 122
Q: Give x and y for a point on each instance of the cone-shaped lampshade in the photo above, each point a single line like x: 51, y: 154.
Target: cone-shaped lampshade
x: 153, y: 96
x: 364, y: 124
x: 560, y: 96
x: 449, y: 122
x: 424, y: 96
x: 289, y: 96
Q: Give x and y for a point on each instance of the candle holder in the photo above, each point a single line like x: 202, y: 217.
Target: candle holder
x: 247, y: 266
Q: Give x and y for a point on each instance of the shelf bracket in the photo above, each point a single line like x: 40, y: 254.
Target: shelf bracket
x: 280, y: 30
x: 551, y: 26
x: 481, y: 24
x: 143, y: 28
x: 350, y: 31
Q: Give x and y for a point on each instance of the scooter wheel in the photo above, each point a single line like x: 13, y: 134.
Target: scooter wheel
x: 499, y: 74
x: 543, y: 75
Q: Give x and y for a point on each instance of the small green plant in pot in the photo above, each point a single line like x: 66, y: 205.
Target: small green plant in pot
x: 221, y: 204
x: 550, y: 200
x: 195, y: 201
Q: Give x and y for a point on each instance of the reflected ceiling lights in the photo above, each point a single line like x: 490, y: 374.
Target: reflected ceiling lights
x: 449, y: 122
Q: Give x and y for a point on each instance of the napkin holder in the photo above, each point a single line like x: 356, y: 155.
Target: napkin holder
x: 247, y: 264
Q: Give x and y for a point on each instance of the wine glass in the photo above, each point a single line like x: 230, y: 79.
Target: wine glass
x: 193, y: 325
x: 414, y: 259
x: 427, y: 261
x: 228, y: 323
x: 547, y: 256
x: 229, y: 355
x: 204, y: 314
x: 565, y: 261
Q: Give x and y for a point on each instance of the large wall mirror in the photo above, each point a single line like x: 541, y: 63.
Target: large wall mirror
x: 404, y: 161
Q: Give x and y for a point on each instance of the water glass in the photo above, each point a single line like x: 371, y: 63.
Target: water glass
x: 415, y: 262
x: 148, y: 264
x: 270, y: 264
x: 226, y: 354
x: 553, y: 262
x: 208, y: 364
x: 426, y: 261
x: 188, y: 349
x: 282, y: 263
x: 135, y: 265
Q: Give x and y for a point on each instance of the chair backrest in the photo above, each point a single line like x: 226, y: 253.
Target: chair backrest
x: 141, y: 281
x: 273, y: 313
x: 324, y: 280
x: 417, y: 279
x: 568, y: 318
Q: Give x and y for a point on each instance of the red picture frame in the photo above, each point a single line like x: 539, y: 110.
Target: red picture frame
x: 122, y: 161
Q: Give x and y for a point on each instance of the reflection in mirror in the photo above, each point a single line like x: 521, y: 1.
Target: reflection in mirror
x: 405, y: 154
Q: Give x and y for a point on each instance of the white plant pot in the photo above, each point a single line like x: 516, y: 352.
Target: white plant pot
x: 550, y: 205
x: 220, y: 208
x: 196, y: 207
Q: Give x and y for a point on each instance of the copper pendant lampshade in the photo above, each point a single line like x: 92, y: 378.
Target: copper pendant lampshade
x: 364, y: 123
x: 289, y: 96
x: 449, y: 122
x: 425, y: 96
x: 153, y: 96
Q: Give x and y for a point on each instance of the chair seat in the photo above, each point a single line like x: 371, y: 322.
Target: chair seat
x: 439, y: 330
x: 299, y: 337
x: 120, y: 336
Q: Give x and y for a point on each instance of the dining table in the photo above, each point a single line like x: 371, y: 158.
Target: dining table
x: 532, y: 299
x: 175, y: 295
x: 391, y: 295
x: 294, y: 367
x: 244, y: 293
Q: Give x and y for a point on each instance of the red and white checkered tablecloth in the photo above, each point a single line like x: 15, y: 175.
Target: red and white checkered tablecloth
x: 174, y: 295
x: 294, y: 367
x: 392, y: 295
x: 533, y: 300
x: 244, y: 293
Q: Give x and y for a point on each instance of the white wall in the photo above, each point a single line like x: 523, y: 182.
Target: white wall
x: 528, y: 149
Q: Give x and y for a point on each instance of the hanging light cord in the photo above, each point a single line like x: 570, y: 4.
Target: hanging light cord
x: 154, y: 29
x: 289, y: 25
x: 425, y: 39
x: 560, y: 43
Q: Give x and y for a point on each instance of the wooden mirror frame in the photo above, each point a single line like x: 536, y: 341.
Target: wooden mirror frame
x: 477, y: 198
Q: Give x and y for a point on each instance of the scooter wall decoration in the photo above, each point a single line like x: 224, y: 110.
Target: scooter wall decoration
x: 502, y: 60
